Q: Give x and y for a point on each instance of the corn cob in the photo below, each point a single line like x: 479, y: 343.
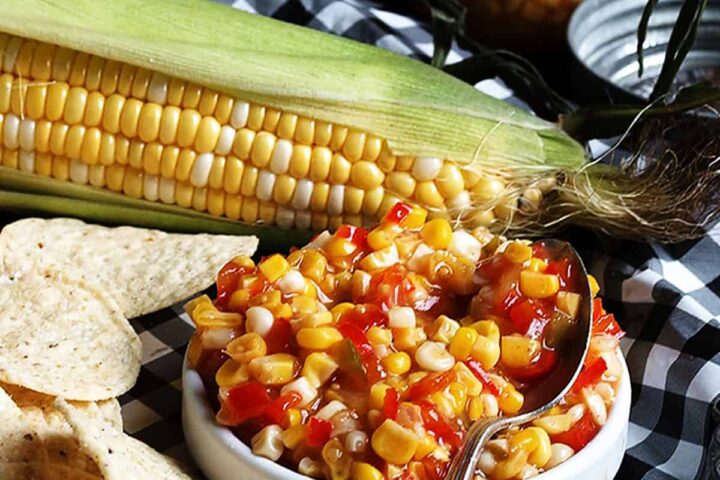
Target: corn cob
x: 211, y: 113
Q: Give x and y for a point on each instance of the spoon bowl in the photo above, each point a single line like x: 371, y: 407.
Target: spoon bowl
x: 571, y: 350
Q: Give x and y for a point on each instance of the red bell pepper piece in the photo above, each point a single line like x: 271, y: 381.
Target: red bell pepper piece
x: 438, y: 426
x: 608, y: 325
x: 357, y: 235
x: 541, y: 367
x: 280, y: 338
x: 579, y: 434
x: 590, y: 374
x: 398, y: 212
x: 391, y: 403
x: 430, y: 384
x: 390, y: 288
x: 368, y: 316
x: 483, y: 376
x: 523, y: 314
x: 275, y: 411
x: 246, y: 402
x: 227, y: 280
x: 563, y: 268
x: 435, y: 469
x: 371, y: 363
x: 318, y: 431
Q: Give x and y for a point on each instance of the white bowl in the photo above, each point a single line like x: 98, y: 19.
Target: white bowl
x: 222, y: 456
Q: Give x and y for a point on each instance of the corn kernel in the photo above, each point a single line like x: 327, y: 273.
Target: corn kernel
x: 462, y: 343
x: 443, y: 329
x: 303, y: 304
x: 211, y: 317
x: 190, y: 306
x: 569, y: 303
x: 320, y: 338
x: 510, y: 401
x: 339, y: 247
x: 538, y: 285
x: 377, y: 395
x: 383, y: 236
x: 274, y: 267
x: 339, y: 309
x: 394, y: 443
x: 397, y: 363
x: 293, y: 417
x: 536, y: 442
x: 518, y: 252
x: 594, y: 287
x: 379, y: 336
x: 293, y: 436
x: 312, y: 320
x: 365, y: 471
x: 537, y: 265
x: 415, y: 219
x: 318, y: 368
x: 486, y: 351
x: 408, y: 338
x: 437, y: 233
x: 459, y: 394
x: 487, y: 328
x: 475, y: 408
x: 246, y: 347
x: 313, y: 265
x: 275, y: 369
x: 554, y: 424
x: 467, y: 378
x: 231, y: 373
x: 426, y: 447
x: 518, y: 351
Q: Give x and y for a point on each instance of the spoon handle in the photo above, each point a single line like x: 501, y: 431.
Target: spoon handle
x: 465, y: 461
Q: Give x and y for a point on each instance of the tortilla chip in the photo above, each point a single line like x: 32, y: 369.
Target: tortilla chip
x: 144, y: 270
x: 61, y: 336
x: 56, y: 435
x: 43, y: 471
x: 18, y: 443
x: 118, y: 455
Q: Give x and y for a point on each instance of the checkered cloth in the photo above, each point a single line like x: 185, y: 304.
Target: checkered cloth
x: 666, y: 298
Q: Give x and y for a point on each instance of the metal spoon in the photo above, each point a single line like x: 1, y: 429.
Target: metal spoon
x: 545, y: 395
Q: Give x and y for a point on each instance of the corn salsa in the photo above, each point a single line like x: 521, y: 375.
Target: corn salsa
x: 366, y: 355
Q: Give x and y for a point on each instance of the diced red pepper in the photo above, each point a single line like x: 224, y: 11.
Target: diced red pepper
x: 398, y: 212
x: 435, y: 382
x: 365, y: 317
x: 608, y: 325
x: 227, y: 280
x: 390, y: 288
x: 435, y: 469
x: 598, y: 310
x: 318, y: 431
x: 476, y: 368
x: 391, y: 403
x: 511, y: 299
x: 350, y: 330
x: 540, y: 251
x: 523, y: 314
x: 280, y: 338
x: 357, y: 235
x: 371, y: 363
x: 246, y: 402
x: 579, y: 434
x: 438, y: 426
x: 563, y: 268
x: 275, y: 411
x: 590, y: 374
x: 541, y: 367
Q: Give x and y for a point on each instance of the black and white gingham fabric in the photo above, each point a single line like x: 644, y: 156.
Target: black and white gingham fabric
x: 667, y: 298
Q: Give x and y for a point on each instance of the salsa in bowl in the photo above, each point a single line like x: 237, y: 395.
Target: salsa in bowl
x: 367, y: 354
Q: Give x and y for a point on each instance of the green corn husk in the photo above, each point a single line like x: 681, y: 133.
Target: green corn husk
x: 417, y: 109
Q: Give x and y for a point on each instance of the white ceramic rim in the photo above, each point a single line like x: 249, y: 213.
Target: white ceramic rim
x: 194, y: 396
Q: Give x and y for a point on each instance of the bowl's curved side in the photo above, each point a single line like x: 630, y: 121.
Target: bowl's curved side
x: 222, y: 456
x: 216, y: 450
x: 601, y: 458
